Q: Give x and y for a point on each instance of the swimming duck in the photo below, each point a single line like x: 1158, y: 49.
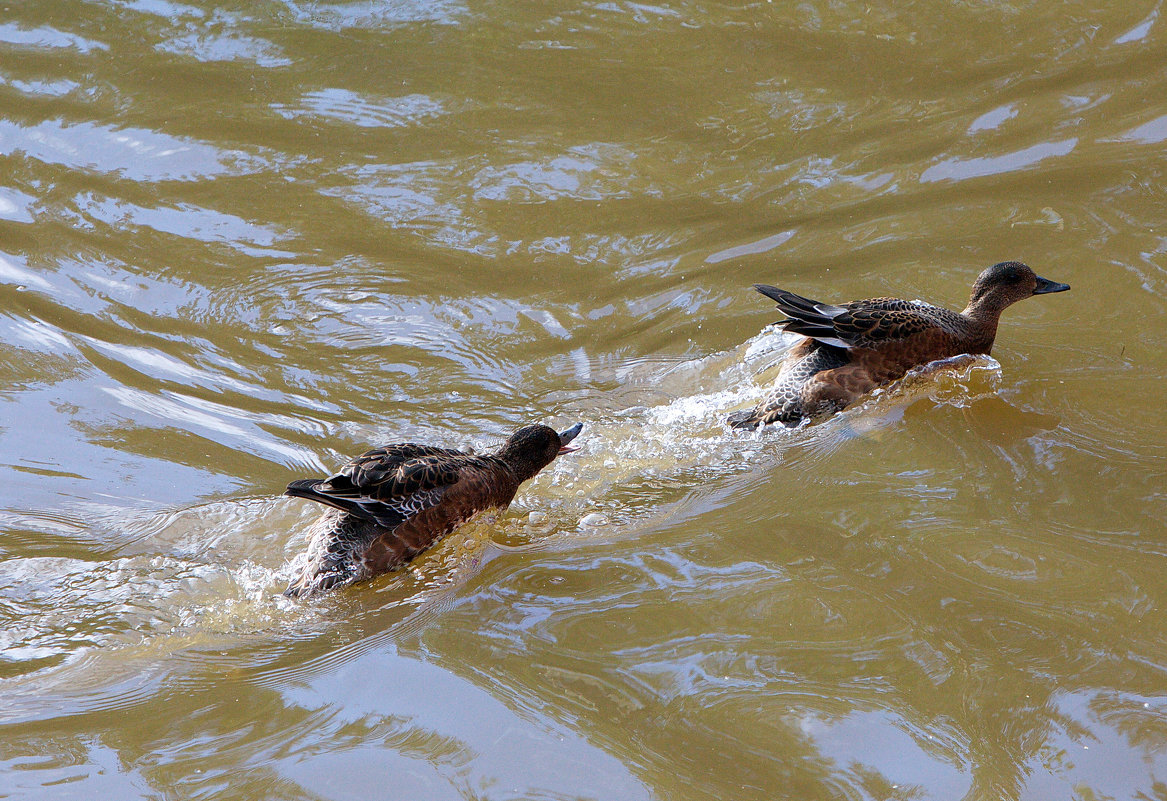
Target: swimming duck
x: 392, y: 503
x: 851, y: 349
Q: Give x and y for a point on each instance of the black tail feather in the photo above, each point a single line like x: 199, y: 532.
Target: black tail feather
x: 800, y: 308
x: 791, y: 304
x: 379, y: 513
x: 307, y: 488
x: 809, y: 328
x: 743, y: 419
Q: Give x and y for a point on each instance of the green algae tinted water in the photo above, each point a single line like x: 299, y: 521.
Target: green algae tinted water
x: 240, y: 243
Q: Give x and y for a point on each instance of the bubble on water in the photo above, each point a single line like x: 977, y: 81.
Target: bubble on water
x: 219, y: 568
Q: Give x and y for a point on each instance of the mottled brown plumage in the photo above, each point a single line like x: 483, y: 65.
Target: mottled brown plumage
x: 853, y: 348
x: 391, y: 503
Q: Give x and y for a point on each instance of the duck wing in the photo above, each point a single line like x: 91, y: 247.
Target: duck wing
x: 861, y: 324
x: 387, y: 485
x: 875, y: 322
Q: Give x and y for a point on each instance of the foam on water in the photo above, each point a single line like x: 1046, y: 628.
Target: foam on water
x: 212, y: 573
x: 632, y: 461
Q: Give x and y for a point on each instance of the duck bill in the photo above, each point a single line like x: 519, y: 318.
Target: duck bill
x: 1046, y: 286
x: 567, y: 436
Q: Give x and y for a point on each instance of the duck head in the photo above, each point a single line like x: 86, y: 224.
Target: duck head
x: 1006, y: 283
x: 532, y: 448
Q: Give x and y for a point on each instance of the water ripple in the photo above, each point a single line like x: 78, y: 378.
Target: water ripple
x: 203, y: 225
x: 48, y: 38
x: 959, y: 169
x: 135, y: 153
x: 377, y: 15
x: 348, y: 107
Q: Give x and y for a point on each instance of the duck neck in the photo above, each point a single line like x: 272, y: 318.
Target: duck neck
x: 520, y: 464
x: 984, y: 313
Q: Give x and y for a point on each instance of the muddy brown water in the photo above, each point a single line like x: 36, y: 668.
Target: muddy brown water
x: 239, y: 243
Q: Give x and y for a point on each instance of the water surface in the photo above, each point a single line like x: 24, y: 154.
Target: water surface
x: 241, y: 243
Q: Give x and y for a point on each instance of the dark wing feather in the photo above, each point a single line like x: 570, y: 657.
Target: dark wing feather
x: 871, y: 323
x: 387, y: 485
x: 861, y: 324
x: 375, y: 466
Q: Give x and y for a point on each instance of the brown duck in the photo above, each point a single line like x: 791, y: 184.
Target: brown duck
x: 851, y: 349
x: 390, y: 504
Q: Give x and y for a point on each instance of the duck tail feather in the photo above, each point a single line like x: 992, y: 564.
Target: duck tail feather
x: 742, y: 420
x: 307, y: 488
x: 798, y: 307
x: 819, y: 332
